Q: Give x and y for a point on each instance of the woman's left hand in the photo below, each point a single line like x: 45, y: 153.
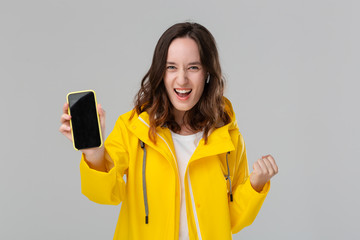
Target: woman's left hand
x: 264, y: 169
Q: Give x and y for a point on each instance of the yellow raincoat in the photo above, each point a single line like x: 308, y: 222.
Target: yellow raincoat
x: 210, y: 213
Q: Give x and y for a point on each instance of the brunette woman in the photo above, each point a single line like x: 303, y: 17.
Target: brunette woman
x: 180, y: 148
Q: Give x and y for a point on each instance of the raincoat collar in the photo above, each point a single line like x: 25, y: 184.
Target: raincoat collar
x: 139, y: 125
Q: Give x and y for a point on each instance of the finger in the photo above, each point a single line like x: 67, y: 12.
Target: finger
x: 257, y: 167
x: 273, y: 163
x: 269, y: 157
x: 269, y: 166
x: 263, y: 166
x: 65, y: 108
x: 66, y: 125
x: 64, y: 129
x: 65, y: 118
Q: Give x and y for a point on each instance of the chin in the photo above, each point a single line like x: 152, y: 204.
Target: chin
x: 183, y: 108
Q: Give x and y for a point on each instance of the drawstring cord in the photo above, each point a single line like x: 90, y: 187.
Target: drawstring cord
x: 227, y: 177
x: 142, y: 144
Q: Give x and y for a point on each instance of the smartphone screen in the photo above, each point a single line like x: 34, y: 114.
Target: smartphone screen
x: 84, y: 120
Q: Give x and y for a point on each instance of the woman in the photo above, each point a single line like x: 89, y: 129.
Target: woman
x: 180, y: 149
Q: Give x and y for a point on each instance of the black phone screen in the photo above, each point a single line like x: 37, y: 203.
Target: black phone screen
x: 84, y: 120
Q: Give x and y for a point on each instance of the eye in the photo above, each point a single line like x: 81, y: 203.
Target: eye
x: 194, y: 68
x: 170, y: 67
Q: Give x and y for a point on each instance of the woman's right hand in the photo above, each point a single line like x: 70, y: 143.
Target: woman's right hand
x: 65, y: 128
x: 94, y: 156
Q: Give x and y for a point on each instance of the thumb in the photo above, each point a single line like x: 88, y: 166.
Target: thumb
x: 100, y: 110
x: 102, y: 116
x: 256, y: 167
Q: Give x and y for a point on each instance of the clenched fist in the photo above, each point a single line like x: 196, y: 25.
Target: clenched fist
x: 264, y: 169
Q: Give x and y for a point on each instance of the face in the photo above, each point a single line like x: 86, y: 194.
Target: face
x: 184, y: 77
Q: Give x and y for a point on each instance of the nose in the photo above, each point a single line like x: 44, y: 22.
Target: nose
x: 182, y: 78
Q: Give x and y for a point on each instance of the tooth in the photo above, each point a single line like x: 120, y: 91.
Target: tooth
x: 182, y: 91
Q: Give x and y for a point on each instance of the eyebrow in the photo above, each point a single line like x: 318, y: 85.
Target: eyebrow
x: 195, y: 63
x: 192, y: 63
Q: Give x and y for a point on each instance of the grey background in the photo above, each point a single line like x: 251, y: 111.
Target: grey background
x: 292, y: 70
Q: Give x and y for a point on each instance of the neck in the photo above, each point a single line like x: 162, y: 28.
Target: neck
x: 179, y: 116
x: 179, y: 119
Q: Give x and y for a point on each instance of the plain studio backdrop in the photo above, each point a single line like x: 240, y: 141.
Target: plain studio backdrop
x: 292, y: 71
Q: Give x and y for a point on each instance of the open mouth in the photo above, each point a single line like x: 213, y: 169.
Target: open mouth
x: 182, y: 92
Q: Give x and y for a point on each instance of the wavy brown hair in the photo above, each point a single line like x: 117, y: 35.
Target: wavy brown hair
x: 209, y: 112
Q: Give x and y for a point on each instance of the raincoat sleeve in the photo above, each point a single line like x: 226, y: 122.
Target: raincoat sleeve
x: 246, y: 201
x: 108, y: 187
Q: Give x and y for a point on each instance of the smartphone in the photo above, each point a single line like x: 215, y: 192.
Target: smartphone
x: 84, y: 122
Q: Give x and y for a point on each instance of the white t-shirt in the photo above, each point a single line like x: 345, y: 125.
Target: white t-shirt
x: 185, y: 146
